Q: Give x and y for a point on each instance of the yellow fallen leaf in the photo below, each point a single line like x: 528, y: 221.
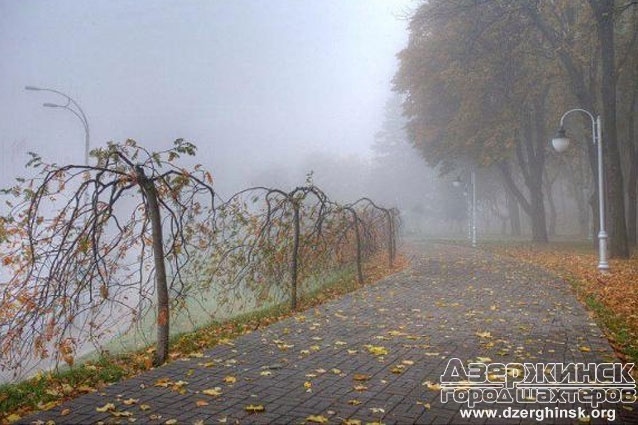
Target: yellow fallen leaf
x: 65, y: 412
x: 351, y: 422
x: 230, y: 379
x: 483, y: 359
x: 354, y: 402
x: 352, y: 352
x: 407, y: 362
x: 432, y: 386
x: 307, y: 385
x: 377, y: 350
x: 265, y: 373
x: 213, y: 391
x: 425, y: 405
x: 121, y: 414
x: 484, y: 334
x: 144, y: 407
x: 200, y: 403
x: 360, y: 377
x: 584, y: 419
x: 85, y: 389
x: 335, y: 371
x: 255, y: 408
x: 584, y: 349
x: 397, y: 369
x: 171, y: 422
x: 360, y: 387
x: 105, y: 408
x: 317, y: 419
x: 130, y: 401
x: 14, y: 417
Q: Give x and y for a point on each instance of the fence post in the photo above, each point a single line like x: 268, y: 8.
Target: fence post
x: 358, y: 236
x: 163, y: 314
x: 295, y: 254
x: 390, y: 237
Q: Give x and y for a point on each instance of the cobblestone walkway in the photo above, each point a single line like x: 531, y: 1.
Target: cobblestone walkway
x: 370, y: 355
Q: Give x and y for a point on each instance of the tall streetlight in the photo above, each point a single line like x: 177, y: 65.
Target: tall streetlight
x: 72, y: 106
x: 561, y: 143
x: 472, y: 215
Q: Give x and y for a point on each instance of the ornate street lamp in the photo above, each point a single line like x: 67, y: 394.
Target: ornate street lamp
x: 560, y: 142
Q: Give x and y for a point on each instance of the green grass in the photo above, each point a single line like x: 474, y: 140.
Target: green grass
x: 36, y: 392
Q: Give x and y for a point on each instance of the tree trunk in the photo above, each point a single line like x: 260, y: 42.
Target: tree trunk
x: 537, y: 216
x: 552, y: 211
x: 633, y: 179
x: 355, y: 223
x: 163, y: 313
x: 618, y: 231
x: 390, y: 238
x: 632, y: 182
x: 513, y: 212
x: 295, y: 254
x: 533, y: 208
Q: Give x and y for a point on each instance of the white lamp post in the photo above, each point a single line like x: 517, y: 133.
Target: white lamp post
x: 560, y: 142
x: 472, y: 212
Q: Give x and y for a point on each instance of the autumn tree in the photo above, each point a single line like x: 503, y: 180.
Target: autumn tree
x: 591, y: 63
x: 476, y: 92
x: 91, y: 245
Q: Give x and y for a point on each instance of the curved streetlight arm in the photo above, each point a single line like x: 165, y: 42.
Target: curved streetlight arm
x: 596, y: 136
x: 79, y: 113
x: 85, y: 124
x: 69, y: 99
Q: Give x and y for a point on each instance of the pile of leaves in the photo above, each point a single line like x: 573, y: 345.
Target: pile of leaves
x: 612, y: 297
x: 45, y: 391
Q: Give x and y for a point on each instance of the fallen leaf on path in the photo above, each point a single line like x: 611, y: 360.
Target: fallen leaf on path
x: 213, y: 391
x: 255, y: 408
x: 105, y: 408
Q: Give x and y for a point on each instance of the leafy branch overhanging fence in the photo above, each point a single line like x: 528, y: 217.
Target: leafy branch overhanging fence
x: 93, y: 248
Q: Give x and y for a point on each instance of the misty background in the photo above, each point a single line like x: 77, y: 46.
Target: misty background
x: 268, y: 91
x: 265, y: 89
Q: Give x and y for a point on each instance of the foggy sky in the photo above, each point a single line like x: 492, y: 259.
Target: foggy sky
x: 255, y: 84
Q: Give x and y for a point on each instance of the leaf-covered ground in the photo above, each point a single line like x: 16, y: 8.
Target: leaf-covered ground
x: 372, y: 356
x: 612, y: 297
x: 48, y: 390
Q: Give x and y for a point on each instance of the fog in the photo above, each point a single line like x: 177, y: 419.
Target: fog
x: 257, y: 86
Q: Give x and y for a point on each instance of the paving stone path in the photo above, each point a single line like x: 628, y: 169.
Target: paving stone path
x: 367, y: 355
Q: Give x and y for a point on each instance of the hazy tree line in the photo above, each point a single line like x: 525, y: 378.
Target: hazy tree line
x: 486, y: 82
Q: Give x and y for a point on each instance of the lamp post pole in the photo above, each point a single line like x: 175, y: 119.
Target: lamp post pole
x: 79, y: 113
x: 471, y: 205
x: 560, y: 143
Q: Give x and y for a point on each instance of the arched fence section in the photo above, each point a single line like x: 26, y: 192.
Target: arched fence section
x: 103, y: 257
